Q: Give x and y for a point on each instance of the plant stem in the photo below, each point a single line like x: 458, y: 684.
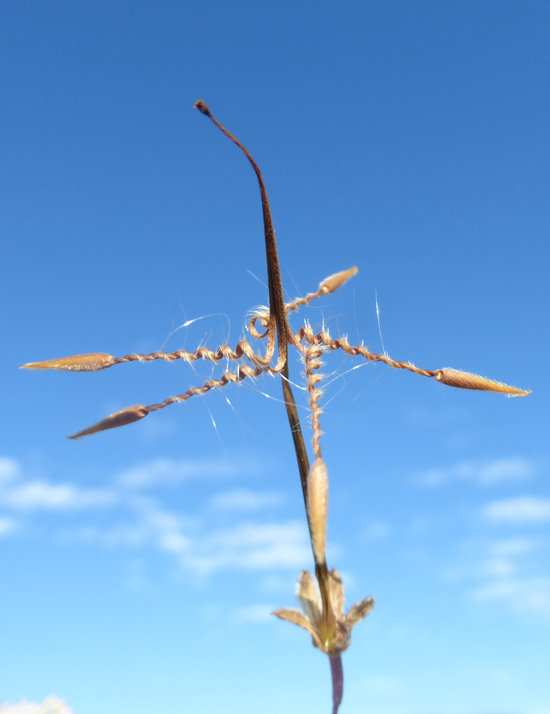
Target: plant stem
x: 277, y: 311
x: 278, y: 319
x: 337, y: 673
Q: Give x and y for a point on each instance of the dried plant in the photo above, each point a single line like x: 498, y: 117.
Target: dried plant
x: 322, y: 599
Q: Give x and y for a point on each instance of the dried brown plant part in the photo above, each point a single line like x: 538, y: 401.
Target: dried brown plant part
x: 330, y: 636
x: 468, y: 380
x: 125, y: 416
x: 277, y: 321
x: 96, y: 361
x: 323, y: 606
x: 278, y: 318
x: 77, y: 363
x: 317, y: 510
x: 312, y: 360
x: 449, y: 376
x: 329, y: 285
x: 135, y: 413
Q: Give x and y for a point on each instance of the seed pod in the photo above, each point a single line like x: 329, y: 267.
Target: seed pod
x: 77, y: 363
x: 468, y: 380
x: 317, y: 506
x: 333, y: 282
x: 120, y: 418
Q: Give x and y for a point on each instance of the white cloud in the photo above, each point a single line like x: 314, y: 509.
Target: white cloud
x: 509, y: 547
x: 9, y: 470
x: 7, y: 526
x: 504, y: 556
x: 198, y: 544
x: 50, y: 705
x: 511, y: 572
x: 17, y: 493
x: 243, y: 499
x: 173, y: 542
x: 522, y: 509
x: 254, y: 613
x: 123, y: 535
x: 243, y: 546
x: 169, y: 472
x: 498, y: 567
x: 482, y: 473
x: 508, y: 570
x: 151, y: 524
x: 250, y: 546
x: 529, y: 594
x: 164, y: 528
x: 45, y: 495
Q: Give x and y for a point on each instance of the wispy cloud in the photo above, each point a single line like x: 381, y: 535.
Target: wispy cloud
x: 511, y: 572
x: 250, y: 546
x: 529, y: 594
x: 522, y: 509
x: 7, y: 526
x: 137, y: 519
x: 201, y: 548
x: 9, y: 470
x: 45, y: 495
x: 497, y: 559
x: 243, y: 499
x: 170, y: 472
x: 146, y: 523
x: 504, y: 556
x: 254, y: 613
x: 18, y: 493
x: 482, y: 473
x: 493, y: 559
x: 50, y: 705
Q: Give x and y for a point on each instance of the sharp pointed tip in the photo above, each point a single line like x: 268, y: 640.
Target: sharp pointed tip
x: 120, y: 418
x: 520, y: 393
x: 201, y: 105
x: 84, y: 432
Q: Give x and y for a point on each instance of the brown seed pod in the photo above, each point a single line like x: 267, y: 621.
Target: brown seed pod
x: 77, y: 363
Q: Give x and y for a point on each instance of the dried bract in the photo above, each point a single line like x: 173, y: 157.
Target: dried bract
x: 330, y: 637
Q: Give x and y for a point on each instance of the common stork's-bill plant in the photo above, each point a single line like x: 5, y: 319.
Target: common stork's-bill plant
x: 321, y: 598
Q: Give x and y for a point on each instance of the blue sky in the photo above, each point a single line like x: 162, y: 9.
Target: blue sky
x: 140, y: 566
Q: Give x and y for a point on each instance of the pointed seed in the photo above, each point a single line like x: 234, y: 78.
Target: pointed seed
x: 77, y: 363
x: 120, y: 418
x: 335, y: 281
x: 468, y: 380
x: 317, y: 506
